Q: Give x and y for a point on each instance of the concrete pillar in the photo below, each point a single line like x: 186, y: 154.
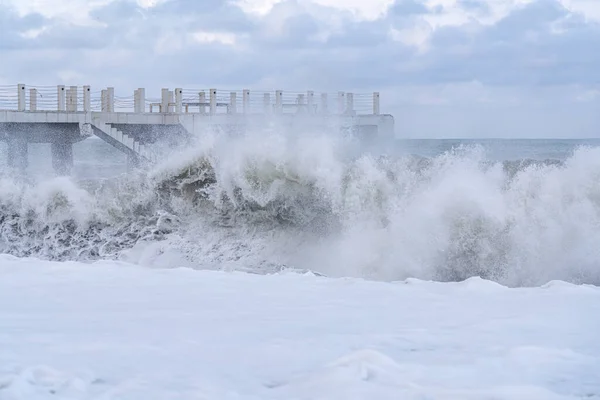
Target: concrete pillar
x: 300, y: 103
x: 213, y: 101
x: 21, y: 97
x: 33, y: 99
x: 310, y: 101
x: 350, y: 103
x: 178, y: 100
x: 139, y: 100
x: 376, y: 103
x: 324, y: 103
x: 233, y: 103
x: 87, y: 99
x: 267, y: 102
x: 110, y: 98
x: 61, y: 97
x: 164, y: 100
x: 72, y: 99
x: 341, y: 101
x: 279, y: 101
x: 142, y: 97
x: 103, y: 101
x: 202, y: 101
x: 62, y: 157
x: 18, y: 154
x: 171, y: 102
x: 246, y: 101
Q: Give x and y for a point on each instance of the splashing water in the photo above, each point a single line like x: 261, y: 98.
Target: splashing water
x: 264, y: 202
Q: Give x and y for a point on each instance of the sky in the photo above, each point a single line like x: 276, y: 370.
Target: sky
x: 445, y: 68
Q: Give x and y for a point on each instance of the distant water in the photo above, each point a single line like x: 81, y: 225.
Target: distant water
x: 521, y: 212
x: 500, y: 149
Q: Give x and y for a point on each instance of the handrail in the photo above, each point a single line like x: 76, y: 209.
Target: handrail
x: 63, y: 98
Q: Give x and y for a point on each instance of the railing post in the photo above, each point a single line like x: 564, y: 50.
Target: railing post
x: 341, y: 96
x: 61, y: 97
x: 350, y: 103
x: 310, y: 100
x: 87, y: 99
x: 21, y: 97
x: 324, y: 103
x: 178, y: 100
x: 164, y: 103
x: 279, y: 101
x: 267, y: 103
x: 141, y: 100
x: 32, y: 99
x: 213, y: 101
x: 246, y: 101
x: 202, y: 101
x: 68, y: 99
x: 376, y: 103
x: 72, y: 99
x: 233, y: 103
x: 103, y: 101
x: 110, y: 98
x: 300, y: 103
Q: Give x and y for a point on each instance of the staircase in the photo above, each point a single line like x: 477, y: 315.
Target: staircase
x: 123, y: 142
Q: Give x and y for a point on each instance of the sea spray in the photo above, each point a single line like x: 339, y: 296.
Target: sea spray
x: 262, y: 202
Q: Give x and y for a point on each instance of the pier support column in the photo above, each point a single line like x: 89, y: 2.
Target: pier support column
x: 62, y: 157
x: 18, y: 154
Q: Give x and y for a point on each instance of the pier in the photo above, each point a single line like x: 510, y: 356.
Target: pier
x: 136, y: 125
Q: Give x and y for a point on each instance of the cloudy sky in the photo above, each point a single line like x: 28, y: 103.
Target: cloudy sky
x: 445, y: 68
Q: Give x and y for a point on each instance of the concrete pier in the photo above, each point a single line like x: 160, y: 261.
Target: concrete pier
x: 135, y: 124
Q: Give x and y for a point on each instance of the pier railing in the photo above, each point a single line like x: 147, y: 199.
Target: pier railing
x: 63, y: 98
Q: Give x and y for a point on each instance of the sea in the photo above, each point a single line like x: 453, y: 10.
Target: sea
x: 520, y: 212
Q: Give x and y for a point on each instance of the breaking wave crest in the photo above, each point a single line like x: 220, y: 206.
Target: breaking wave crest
x: 264, y: 202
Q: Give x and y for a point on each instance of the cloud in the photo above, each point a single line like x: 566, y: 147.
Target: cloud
x: 429, y: 54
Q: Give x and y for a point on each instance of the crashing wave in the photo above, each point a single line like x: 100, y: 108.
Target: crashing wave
x: 267, y: 205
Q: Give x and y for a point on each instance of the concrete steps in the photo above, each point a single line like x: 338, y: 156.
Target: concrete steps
x: 143, y: 152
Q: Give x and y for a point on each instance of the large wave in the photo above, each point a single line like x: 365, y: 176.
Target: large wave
x: 268, y: 201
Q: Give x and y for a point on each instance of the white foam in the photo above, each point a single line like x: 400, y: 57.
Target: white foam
x: 119, y: 331
x: 303, y: 202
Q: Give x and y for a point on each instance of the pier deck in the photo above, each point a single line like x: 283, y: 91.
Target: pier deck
x: 64, y: 115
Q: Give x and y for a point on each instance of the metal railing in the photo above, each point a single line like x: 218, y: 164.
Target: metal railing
x: 204, y: 101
